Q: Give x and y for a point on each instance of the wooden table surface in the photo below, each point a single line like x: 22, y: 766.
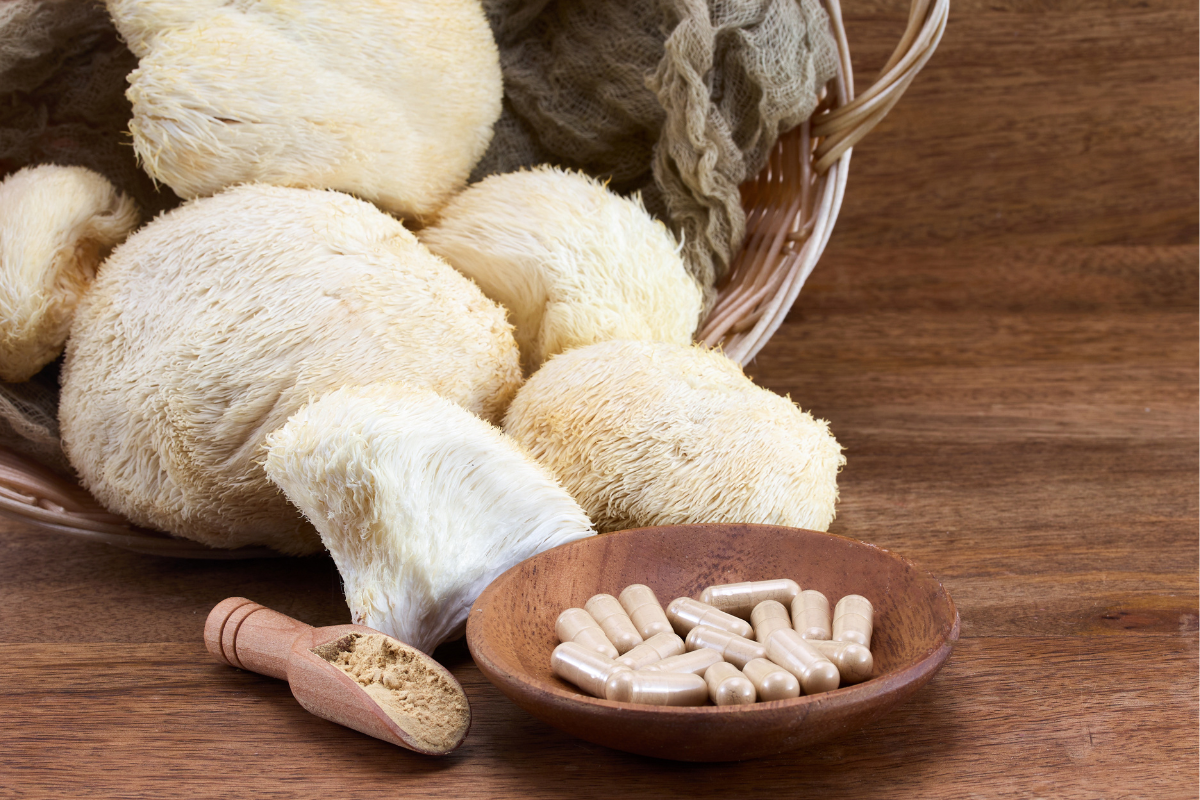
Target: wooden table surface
x: 1003, y: 335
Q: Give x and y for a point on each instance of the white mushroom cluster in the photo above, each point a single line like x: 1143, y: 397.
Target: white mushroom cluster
x: 216, y: 322
x: 392, y: 102
x: 649, y: 433
x: 281, y: 362
x: 572, y: 262
x: 421, y: 504
x: 56, y: 225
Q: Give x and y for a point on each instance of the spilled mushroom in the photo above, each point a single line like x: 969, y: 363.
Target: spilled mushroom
x: 652, y: 433
x: 420, y: 503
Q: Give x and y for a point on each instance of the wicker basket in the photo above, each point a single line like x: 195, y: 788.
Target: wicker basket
x: 790, y: 211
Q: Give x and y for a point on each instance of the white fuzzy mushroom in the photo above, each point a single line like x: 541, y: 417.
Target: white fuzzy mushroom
x: 56, y: 225
x: 644, y: 433
x: 572, y: 262
x: 392, y: 102
x: 213, y: 324
x: 420, y: 503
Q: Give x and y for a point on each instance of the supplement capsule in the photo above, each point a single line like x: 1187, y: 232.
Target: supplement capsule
x: 768, y: 617
x: 854, y: 662
x: 585, y: 668
x: 815, y: 672
x: 654, y: 649
x: 810, y: 615
x: 613, y: 620
x: 657, y: 688
x: 577, y: 625
x: 737, y: 650
x: 853, y: 617
x: 771, y: 681
x: 727, y: 686
x: 644, y: 610
x: 740, y: 599
x: 686, y: 613
x: 695, y: 662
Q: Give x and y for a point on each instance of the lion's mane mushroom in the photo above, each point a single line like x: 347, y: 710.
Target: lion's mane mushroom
x: 420, y: 503
x: 392, y: 102
x: 213, y: 324
x: 646, y: 433
x: 573, y: 263
x: 56, y: 225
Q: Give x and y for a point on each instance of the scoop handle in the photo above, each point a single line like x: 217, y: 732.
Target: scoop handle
x: 246, y: 635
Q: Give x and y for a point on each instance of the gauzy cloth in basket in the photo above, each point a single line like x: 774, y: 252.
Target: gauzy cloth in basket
x: 62, y: 95
x: 681, y: 100
x: 29, y: 420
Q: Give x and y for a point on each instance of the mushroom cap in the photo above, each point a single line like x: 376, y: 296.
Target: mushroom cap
x: 649, y: 433
x: 56, y: 225
x: 572, y: 262
x: 213, y: 324
x: 420, y: 503
x: 392, y: 102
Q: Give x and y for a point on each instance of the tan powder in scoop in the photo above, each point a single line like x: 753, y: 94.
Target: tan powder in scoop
x: 426, y: 704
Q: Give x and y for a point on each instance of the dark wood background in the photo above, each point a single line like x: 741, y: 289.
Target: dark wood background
x: 1003, y: 334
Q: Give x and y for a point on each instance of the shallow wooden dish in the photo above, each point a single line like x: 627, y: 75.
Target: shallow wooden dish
x: 510, y: 632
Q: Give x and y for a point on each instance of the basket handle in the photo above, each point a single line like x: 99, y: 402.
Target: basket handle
x: 777, y: 257
x: 843, y: 127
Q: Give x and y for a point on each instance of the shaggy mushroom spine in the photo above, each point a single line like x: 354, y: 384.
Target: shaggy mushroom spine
x: 653, y: 433
x: 420, y: 503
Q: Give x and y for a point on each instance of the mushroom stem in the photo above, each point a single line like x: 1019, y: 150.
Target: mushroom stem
x: 421, y: 503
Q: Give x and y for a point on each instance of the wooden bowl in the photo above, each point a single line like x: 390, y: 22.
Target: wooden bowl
x: 510, y: 632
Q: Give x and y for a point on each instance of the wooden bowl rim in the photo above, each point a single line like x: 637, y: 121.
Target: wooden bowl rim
x: 542, y: 693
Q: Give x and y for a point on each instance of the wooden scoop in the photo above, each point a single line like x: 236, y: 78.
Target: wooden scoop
x: 246, y: 635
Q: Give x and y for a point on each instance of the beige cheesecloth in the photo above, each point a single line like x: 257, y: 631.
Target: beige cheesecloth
x: 680, y: 100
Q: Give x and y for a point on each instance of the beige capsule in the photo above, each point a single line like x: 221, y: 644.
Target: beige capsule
x: 644, y: 610
x: 657, y: 688
x: 740, y: 599
x: 737, y: 650
x: 695, y: 662
x: 613, y: 620
x: 727, y: 686
x: 815, y: 672
x: 654, y: 649
x: 853, y: 618
x: 854, y: 662
x: 768, y: 617
x: 686, y: 613
x: 771, y: 681
x: 585, y: 668
x: 810, y: 615
x: 577, y: 625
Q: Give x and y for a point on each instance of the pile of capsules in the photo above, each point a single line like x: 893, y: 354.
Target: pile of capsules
x: 628, y: 650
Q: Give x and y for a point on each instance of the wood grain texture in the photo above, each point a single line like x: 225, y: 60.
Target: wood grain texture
x: 1051, y: 122
x: 1003, y: 334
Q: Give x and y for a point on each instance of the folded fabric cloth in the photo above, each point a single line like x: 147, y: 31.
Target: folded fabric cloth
x: 680, y: 100
x: 62, y: 95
